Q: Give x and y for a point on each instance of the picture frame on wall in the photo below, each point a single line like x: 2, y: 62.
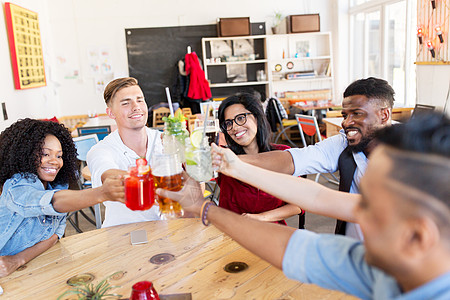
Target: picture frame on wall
x: 25, y: 46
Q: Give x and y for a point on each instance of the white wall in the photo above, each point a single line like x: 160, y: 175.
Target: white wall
x: 433, y: 85
x: 38, y: 102
x: 341, y: 42
x: 70, y: 28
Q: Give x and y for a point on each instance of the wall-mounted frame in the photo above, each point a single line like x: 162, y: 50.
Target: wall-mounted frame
x: 433, y: 47
x: 25, y: 46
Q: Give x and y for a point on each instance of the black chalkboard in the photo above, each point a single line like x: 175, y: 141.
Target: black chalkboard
x: 154, y: 52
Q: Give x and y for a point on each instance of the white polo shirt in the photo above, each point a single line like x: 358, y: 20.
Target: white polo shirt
x: 112, y: 153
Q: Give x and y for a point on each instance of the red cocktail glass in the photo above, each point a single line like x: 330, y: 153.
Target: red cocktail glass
x: 139, y: 188
x: 143, y: 290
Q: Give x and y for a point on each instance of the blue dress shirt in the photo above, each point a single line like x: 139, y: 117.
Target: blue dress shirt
x: 337, y: 262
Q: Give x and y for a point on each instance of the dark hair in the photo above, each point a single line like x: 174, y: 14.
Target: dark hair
x: 21, y: 149
x: 374, y: 89
x: 116, y: 85
x: 423, y: 164
x: 252, y: 104
x: 427, y: 133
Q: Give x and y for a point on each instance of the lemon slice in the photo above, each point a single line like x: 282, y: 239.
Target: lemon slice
x: 142, y: 170
x: 191, y: 162
x: 190, y: 158
x: 196, y: 138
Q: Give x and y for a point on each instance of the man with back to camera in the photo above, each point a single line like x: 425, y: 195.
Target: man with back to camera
x: 367, y: 106
x: 403, y: 211
x: 132, y: 140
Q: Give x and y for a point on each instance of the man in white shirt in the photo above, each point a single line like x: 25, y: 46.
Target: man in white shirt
x: 132, y: 140
x: 367, y: 106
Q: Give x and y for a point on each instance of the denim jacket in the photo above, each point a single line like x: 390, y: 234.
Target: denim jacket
x: 27, y: 215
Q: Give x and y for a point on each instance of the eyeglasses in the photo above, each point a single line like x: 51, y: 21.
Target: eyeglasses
x: 239, y: 119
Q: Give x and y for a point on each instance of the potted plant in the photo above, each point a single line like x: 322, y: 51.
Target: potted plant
x: 87, y: 291
x: 278, y: 21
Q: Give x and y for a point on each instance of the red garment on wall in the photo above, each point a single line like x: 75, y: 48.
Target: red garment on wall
x: 198, y: 85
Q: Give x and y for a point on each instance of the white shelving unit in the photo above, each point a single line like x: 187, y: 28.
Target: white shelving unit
x: 257, y: 61
x: 277, y: 55
x: 232, y: 62
x: 238, y: 84
x: 297, y: 53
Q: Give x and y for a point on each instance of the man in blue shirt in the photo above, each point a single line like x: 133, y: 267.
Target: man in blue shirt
x: 403, y: 211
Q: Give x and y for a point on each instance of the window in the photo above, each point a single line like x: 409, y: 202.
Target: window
x: 382, y: 44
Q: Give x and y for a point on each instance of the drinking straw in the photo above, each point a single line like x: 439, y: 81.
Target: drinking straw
x: 153, y: 148
x: 170, y: 101
x: 204, y: 124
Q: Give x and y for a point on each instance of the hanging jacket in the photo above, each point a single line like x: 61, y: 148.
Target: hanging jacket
x: 198, y: 85
x: 271, y: 113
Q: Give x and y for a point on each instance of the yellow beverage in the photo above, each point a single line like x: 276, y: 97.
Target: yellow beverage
x: 171, y: 183
x: 167, y: 170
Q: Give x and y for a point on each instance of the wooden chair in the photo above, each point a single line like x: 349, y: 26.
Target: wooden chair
x: 191, y: 122
x: 158, y: 114
x: 187, y: 112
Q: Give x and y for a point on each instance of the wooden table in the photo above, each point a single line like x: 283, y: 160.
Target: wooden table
x: 200, y: 254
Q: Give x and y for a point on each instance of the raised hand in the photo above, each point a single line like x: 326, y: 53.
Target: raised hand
x: 113, y: 189
x: 224, y: 160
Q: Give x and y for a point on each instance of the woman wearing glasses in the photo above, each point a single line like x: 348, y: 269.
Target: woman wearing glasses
x: 246, y: 131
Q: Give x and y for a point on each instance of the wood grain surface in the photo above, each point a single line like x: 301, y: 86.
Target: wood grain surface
x: 200, y: 252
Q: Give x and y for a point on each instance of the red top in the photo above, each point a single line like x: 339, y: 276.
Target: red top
x: 242, y: 198
x: 198, y: 85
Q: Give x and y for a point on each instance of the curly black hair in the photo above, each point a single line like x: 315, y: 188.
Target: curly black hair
x: 21, y: 149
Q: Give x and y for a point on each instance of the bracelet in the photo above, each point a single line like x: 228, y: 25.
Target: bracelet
x: 201, y: 209
x: 204, y: 212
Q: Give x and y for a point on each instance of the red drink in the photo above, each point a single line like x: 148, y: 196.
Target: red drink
x: 144, y: 290
x: 139, y: 189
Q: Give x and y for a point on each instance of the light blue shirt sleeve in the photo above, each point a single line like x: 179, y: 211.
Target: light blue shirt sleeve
x: 30, y: 199
x: 330, y: 261
x: 319, y: 158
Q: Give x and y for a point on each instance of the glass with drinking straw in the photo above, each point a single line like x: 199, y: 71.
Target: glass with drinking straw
x: 198, y: 153
x: 175, y: 131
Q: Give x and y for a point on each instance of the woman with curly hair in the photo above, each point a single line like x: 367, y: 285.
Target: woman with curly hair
x: 246, y: 131
x: 37, y: 161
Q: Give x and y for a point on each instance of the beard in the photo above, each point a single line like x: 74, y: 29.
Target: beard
x: 362, y: 145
